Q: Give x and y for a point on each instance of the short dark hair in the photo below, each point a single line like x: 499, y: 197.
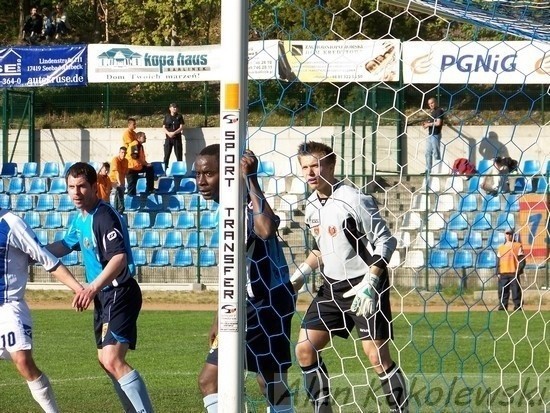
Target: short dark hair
x: 123, y: 148
x: 211, y: 150
x: 141, y: 135
x: 131, y: 120
x: 107, y: 165
x: 311, y: 147
x: 83, y: 169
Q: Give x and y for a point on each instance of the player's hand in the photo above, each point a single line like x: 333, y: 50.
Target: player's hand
x: 300, y: 276
x: 249, y: 164
x: 84, y: 298
x: 366, y: 297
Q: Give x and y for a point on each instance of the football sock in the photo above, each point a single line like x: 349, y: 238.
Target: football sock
x: 279, y: 397
x: 126, y: 403
x: 395, y: 389
x: 317, y: 386
x: 211, y: 403
x: 133, y: 385
x: 42, y: 392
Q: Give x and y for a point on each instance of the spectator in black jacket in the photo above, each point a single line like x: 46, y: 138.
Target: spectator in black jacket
x: 32, y: 29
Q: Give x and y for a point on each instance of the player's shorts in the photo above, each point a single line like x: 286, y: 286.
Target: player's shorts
x: 116, y: 313
x: 329, y: 311
x: 15, y: 328
x: 268, y: 330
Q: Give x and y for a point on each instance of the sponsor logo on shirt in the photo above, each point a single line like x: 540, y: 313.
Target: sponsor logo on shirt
x: 111, y: 235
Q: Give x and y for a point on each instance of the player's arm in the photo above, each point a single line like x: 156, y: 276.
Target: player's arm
x: 304, y: 270
x: 58, y: 248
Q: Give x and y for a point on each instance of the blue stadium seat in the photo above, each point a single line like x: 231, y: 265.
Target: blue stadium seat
x: 165, y: 185
x: 140, y: 257
x: 132, y: 238
x: 142, y: 220
x: 511, y: 203
x: 9, y: 170
x: 523, y: 185
x: 158, y: 169
x: 197, y: 202
x: 32, y: 219
x: 16, y: 186
x: 497, y: 238
x: 473, y: 184
x: 67, y: 218
x: 183, y: 258
x: 37, y: 185
x: 187, y: 186
x: 163, y: 220
x: 160, y: 258
x: 439, y: 259
x: 474, y: 240
x: 71, y: 258
x: 45, y: 202
x: 491, y: 204
x: 457, y: 222
x: 208, y: 220
x: 530, y: 167
x: 59, y: 235
x: 66, y: 167
x: 1, y: 185
x: 30, y: 170
x: 52, y: 220
x: 186, y: 220
x: 153, y: 203
x: 468, y: 203
x: 150, y: 239
x: 176, y: 203
x: 542, y: 185
x: 5, y: 201
x: 505, y: 220
x: 463, y: 259
x: 173, y: 239
x: 195, y: 239
x: 132, y: 203
x: 266, y: 168
x: 141, y: 186
x: 482, y: 221
x: 65, y: 203
x: 448, y: 240
x: 23, y: 203
x: 484, y: 166
x: 486, y: 259
x: 177, y: 168
x: 58, y: 186
x: 42, y: 236
x: 207, y: 258
x: 96, y: 165
x: 214, y: 241
x: 50, y: 170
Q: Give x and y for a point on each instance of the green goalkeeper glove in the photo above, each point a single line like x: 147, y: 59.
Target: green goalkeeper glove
x: 366, y: 298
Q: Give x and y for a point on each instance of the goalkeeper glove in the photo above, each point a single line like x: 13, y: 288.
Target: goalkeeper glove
x: 364, y: 303
x: 300, y: 276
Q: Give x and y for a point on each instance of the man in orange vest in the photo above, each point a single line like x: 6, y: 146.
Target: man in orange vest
x: 510, y: 265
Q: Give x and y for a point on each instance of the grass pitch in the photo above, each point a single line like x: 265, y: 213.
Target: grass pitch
x: 458, y: 361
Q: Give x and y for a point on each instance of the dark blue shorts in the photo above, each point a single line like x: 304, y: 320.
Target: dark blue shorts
x: 116, y: 313
x: 268, y: 329
x: 329, y: 311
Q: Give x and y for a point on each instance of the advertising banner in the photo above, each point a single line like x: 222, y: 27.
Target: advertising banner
x: 519, y: 62
x: 43, y: 66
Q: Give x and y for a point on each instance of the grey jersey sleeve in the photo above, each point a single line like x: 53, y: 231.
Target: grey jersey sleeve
x: 374, y: 226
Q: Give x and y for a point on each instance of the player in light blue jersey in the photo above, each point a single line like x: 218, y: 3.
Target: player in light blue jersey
x: 100, y: 234
x: 18, y: 245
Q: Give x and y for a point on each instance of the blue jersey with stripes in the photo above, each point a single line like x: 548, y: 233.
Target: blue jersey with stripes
x: 100, y: 235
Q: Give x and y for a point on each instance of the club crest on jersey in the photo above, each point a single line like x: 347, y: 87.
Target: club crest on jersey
x: 87, y: 242
x: 332, y: 231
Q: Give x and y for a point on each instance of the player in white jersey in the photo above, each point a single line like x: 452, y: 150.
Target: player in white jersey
x: 354, y: 245
x: 18, y: 245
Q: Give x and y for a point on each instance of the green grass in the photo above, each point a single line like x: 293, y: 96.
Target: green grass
x: 443, y: 354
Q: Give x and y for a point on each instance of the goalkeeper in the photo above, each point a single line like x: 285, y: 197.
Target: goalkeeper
x: 354, y: 245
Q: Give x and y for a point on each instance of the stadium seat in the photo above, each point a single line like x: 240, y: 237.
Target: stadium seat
x: 491, y: 203
x: 474, y: 240
x: 511, y: 203
x: 58, y: 186
x: 142, y: 220
x: 37, y: 185
x: 208, y: 220
x: 42, y: 236
x: 59, y: 235
x: 485, y: 166
x: 463, y: 259
x: 132, y: 238
x: 160, y: 258
x: 195, y: 239
x: 424, y: 239
x: 445, y: 203
x: 523, y: 185
x: 395, y: 259
x: 96, y: 165
x: 65, y: 203
x: 468, y: 203
x: 52, y: 220
x: 207, y: 258
x: 297, y: 187
x: 439, y: 259
x: 275, y: 185
x: 497, y: 238
x: 486, y: 259
x: 5, y: 201
x: 150, y: 239
x: 448, y: 240
x: 9, y: 170
x: 141, y: 186
x: 165, y: 185
x: 132, y: 203
x: 473, y: 184
x: 140, y: 257
x: 411, y: 221
x: 214, y: 241
x: 153, y: 203
x: 173, y: 239
x: 403, y: 239
x: 176, y: 203
x: 158, y: 169
x: 197, y: 202
x: 420, y: 202
x: 266, y: 168
x: 32, y: 219
x: 187, y: 186
x: 16, y: 185
x: 1, y: 185
x: 435, y: 222
x: 23, y: 203
x: 432, y: 185
x: 163, y: 220
x: 45, y: 202
x: 505, y: 220
x: 482, y: 221
x: 186, y: 220
x: 454, y: 185
x: 457, y: 222
x: 530, y: 167
x: 50, y: 170
x: 30, y: 170
x: 183, y: 258
x: 177, y: 168
x: 414, y: 259
x: 66, y: 167
x: 67, y: 218
x: 542, y: 185
x: 71, y: 258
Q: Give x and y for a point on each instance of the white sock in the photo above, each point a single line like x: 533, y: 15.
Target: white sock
x: 211, y: 403
x: 280, y: 409
x: 42, y: 392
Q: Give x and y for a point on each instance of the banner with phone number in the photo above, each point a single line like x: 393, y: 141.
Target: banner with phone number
x: 43, y: 66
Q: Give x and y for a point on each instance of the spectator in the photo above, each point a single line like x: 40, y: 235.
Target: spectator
x: 62, y: 26
x: 104, y: 186
x: 434, y: 126
x: 129, y: 134
x: 496, y: 181
x: 119, y: 169
x: 510, y: 264
x: 137, y: 163
x: 172, y: 127
x: 48, y: 28
x: 32, y: 29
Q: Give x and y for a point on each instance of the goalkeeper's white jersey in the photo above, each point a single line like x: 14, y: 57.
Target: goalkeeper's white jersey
x: 349, y: 231
x: 18, y: 243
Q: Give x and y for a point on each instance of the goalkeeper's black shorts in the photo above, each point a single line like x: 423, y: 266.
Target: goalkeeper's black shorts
x: 329, y: 311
